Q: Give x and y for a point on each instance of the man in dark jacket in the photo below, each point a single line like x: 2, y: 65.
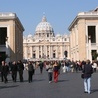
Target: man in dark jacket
x: 14, y: 70
x: 87, y: 70
x: 41, y: 65
x: 20, y: 69
x: 1, y: 70
x: 4, y: 71
x: 30, y: 71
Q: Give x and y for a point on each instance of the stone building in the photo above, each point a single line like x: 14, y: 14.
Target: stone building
x: 45, y: 44
x: 84, y: 35
x: 11, y: 37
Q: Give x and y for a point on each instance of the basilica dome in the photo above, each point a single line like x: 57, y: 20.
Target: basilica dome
x: 45, y: 28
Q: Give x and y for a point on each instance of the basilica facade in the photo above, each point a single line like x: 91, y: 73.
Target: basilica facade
x: 44, y: 44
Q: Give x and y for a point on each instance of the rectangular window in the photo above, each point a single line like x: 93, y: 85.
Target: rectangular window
x: 92, y: 33
x: 34, y: 56
x: 3, y: 35
x: 53, y: 55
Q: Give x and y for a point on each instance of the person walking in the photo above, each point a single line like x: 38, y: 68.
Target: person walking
x: 49, y: 69
x: 14, y: 70
x: 20, y: 69
x: 1, y: 70
x: 55, y: 71
x: 30, y: 71
x: 4, y: 71
x: 41, y: 65
x: 87, y: 71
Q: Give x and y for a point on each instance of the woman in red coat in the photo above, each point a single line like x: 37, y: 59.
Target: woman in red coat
x: 55, y: 71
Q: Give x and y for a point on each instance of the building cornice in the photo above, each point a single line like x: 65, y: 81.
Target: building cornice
x: 84, y: 15
x: 10, y: 16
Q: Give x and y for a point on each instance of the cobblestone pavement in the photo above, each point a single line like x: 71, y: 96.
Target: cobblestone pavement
x: 70, y: 85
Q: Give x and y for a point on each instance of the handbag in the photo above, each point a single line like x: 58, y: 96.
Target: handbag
x: 82, y: 75
x: 47, y: 69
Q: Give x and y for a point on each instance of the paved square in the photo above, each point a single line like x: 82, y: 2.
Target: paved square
x: 70, y: 85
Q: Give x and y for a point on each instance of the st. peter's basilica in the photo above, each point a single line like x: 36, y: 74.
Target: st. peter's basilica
x: 44, y: 44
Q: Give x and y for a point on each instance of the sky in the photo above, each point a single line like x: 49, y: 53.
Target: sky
x: 59, y: 13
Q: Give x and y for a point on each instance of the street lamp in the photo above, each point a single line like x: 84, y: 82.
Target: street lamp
x: 6, y: 45
x: 7, y: 50
x: 89, y: 44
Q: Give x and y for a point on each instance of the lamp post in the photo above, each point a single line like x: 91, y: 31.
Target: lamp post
x: 7, y: 50
x: 89, y: 44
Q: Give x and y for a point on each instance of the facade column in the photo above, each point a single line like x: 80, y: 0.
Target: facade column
x: 97, y: 38
x: 46, y: 52
x: 37, y: 51
x: 96, y: 34
x: 31, y: 52
x: 49, y: 52
x: 75, y: 37
x: 41, y: 51
x: 76, y: 30
x: 62, y: 52
x: 68, y: 50
x: 56, y: 51
x: 27, y: 51
x: 72, y: 39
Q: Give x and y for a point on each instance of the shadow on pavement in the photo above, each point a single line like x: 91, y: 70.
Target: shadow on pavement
x: 94, y: 90
x: 3, y: 87
x: 38, y: 80
x: 62, y: 80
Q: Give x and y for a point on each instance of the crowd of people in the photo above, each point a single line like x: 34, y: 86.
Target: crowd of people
x: 12, y: 68
x: 53, y: 69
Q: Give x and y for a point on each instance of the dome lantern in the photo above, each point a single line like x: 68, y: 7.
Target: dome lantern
x: 44, y: 19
